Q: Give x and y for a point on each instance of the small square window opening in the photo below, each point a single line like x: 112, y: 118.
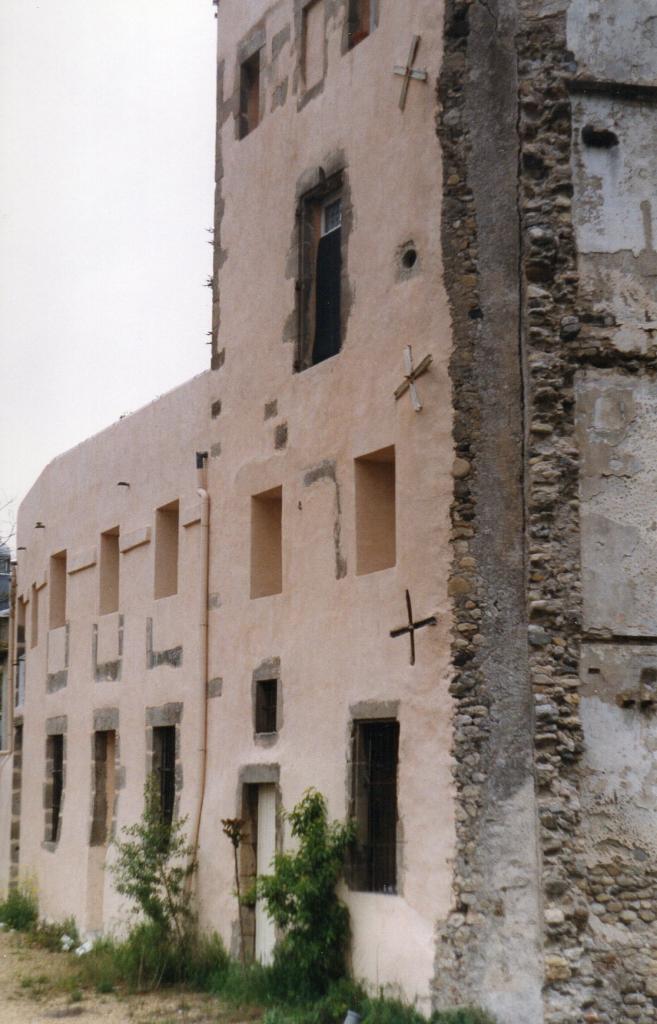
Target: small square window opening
x: 266, y: 697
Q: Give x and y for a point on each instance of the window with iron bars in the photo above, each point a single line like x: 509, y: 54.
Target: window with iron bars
x: 373, y: 866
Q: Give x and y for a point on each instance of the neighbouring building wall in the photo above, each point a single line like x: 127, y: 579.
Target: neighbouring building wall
x: 574, y: 95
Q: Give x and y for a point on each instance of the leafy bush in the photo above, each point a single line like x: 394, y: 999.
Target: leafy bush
x: 301, y: 899
x: 20, y: 910
x: 152, y: 865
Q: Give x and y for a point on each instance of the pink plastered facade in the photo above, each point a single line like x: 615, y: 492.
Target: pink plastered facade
x: 284, y: 449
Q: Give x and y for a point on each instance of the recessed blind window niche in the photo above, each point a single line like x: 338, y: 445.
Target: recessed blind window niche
x: 57, y: 588
x: 108, y: 597
x: 376, y: 546
x: 267, y: 543
x: 167, y: 525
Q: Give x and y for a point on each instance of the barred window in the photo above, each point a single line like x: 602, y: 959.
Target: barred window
x: 374, y: 806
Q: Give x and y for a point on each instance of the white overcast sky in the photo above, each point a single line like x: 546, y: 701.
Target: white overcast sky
x: 106, y: 185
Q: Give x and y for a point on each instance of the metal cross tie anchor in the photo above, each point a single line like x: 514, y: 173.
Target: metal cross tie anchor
x: 412, y: 626
x: 408, y: 72
x: 408, y: 384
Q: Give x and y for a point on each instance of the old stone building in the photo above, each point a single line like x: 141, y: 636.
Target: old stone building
x: 398, y: 542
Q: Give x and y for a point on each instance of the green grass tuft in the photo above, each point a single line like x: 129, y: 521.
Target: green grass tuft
x: 19, y: 910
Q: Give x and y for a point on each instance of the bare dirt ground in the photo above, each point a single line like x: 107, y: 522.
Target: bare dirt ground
x: 37, y: 986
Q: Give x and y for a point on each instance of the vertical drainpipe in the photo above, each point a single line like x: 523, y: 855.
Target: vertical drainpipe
x: 11, y: 669
x: 204, y: 565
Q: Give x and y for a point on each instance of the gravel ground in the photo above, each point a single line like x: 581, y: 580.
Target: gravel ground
x: 37, y: 986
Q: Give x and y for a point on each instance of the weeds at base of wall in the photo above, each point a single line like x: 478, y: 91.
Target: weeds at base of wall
x: 149, y: 959
x: 205, y: 966
x: 19, y: 912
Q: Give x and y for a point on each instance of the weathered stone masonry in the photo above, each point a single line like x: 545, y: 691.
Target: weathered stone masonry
x: 597, y: 931
x: 489, y: 952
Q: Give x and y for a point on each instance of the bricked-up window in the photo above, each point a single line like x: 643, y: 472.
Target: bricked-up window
x: 362, y: 20
x: 104, y: 786
x: 57, y: 587
x: 266, y: 702
x: 267, y: 543
x: 373, y: 865
x: 164, y: 766
x: 249, y: 94
x: 167, y: 528
x: 320, y: 292
x: 375, y: 511
x: 55, y: 755
x: 108, y: 575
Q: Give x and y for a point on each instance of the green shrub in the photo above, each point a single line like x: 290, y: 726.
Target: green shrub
x: 152, y: 865
x: 20, y: 910
x: 300, y: 896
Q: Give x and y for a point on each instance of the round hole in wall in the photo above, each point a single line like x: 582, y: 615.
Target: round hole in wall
x: 409, y: 258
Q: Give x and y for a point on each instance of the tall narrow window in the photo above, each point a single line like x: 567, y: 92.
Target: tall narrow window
x: 375, y: 511
x: 374, y: 798
x: 328, y: 282
x: 104, y: 786
x: 57, y: 587
x: 108, y: 597
x: 55, y: 756
x: 164, y: 766
x: 34, y: 616
x: 362, y: 20
x: 267, y: 543
x: 19, y: 695
x: 249, y: 94
x: 166, y: 550
x: 266, y: 704
x: 321, y: 241
x: 313, y: 43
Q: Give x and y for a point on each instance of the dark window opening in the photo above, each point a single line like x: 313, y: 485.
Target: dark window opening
x: 361, y: 20
x: 266, y: 697
x: 104, y: 786
x: 320, y: 241
x: 599, y: 137
x: 19, y: 663
x: 328, y: 274
x: 249, y: 94
x: 373, y: 865
x: 56, y: 757
x: 164, y: 766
